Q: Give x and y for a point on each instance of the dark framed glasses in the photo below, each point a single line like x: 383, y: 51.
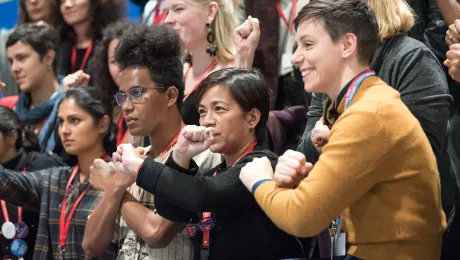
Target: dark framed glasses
x: 205, y: 224
x: 134, y: 95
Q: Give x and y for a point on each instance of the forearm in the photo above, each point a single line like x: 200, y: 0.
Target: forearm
x: 244, y: 59
x: 155, y: 230
x: 100, y: 226
x: 450, y: 10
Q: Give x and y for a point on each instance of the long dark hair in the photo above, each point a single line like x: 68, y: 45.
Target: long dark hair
x: 11, y: 124
x: 101, y: 13
x: 98, y: 65
x: 93, y: 101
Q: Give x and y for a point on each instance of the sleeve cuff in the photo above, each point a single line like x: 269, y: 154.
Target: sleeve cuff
x: 257, y: 184
x: 148, y: 174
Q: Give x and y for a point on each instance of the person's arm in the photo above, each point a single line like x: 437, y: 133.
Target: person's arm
x: 100, y: 226
x: 155, y: 230
x: 424, y: 90
x: 336, y: 181
x: 450, y: 10
x: 198, y: 193
x: 315, y: 111
x: 21, y: 189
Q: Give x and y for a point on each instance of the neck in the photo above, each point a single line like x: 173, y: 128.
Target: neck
x: 43, y: 93
x: 83, y: 35
x: 231, y: 159
x: 347, y: 75
x: 86, y: 159
x: 200, y: 59
x: 163, y: 135
x: 8, y: 155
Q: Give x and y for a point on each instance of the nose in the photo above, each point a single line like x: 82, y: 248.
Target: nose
x: 127, y: 106
x: 14, y: 67
x: 297, y: 58
x: 169, y: 19
x: 33, y: 1
x: 67, y: 3
x: 208, y: 120
x: 64, y: 130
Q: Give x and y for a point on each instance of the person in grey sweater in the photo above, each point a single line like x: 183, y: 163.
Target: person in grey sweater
x: 412, y: 69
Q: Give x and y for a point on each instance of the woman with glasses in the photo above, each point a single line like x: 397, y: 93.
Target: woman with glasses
x: 224, y: 219
x: 63, y: 196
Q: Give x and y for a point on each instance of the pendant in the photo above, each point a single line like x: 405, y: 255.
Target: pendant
x: 22, y: 230
x: 8, y: 230
x: 18, y: 247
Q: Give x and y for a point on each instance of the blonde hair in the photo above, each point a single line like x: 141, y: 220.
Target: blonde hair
x: 223, y: 27
x: 393, y: 16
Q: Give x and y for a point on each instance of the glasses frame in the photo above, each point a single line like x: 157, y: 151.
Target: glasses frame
x: 132, y: 97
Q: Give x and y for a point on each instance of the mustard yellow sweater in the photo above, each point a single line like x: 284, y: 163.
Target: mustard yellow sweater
x: 378, y: 173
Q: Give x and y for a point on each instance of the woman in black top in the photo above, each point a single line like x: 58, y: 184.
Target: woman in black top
x: 233, y: 106
x: 19, y: 151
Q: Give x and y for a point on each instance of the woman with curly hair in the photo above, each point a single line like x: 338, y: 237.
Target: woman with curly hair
x: 84, y: 22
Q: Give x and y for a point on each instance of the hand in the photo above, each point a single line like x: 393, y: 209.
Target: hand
x: 127, y: 159
x: 192, y: 141
x: 453, y: 33
x: 320, y: 135
x: 76, y: 79
x: 453, y: 61
x: 104, y: 176
x: 2, y: 86
x: 291, y: 169
x: 246, y: 38
x: 258, y: 169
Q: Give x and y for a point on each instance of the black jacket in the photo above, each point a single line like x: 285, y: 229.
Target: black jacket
x: 32, y: 162
x: 242, y: 230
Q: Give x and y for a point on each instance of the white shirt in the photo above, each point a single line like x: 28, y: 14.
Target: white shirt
x: 149, y: 11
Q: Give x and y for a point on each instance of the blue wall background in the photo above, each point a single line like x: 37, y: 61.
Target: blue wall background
x: 9, y: 10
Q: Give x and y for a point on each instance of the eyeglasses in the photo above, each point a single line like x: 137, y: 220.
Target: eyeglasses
x: 134, y: 95
x: 205, y: 224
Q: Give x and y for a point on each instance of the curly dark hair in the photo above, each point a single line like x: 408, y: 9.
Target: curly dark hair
x: 56, y: 19
x: 157, y: 48
x: 98, y: 64
x: 102, y: 13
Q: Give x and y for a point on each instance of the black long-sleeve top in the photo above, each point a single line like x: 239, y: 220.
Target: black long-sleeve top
x: 242, y: 230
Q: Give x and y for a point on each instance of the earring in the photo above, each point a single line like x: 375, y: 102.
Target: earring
x: 212, y: 46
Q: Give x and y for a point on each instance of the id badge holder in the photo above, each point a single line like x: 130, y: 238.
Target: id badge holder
x: 338, y: 240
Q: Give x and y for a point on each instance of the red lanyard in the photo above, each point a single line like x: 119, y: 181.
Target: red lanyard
x: 173, y: 142
x: 210, y: 68
x: 5, y: 210
x: 63, y: 224
x: 157, y: 17
x: 207, y: 215
x: 73, y: 60
x: 121, y: 138
x: 290, y: 24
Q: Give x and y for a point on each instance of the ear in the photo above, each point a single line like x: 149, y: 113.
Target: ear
x: 49, y: 57
x: 172, y: 93
x: 349, y: 45
x: 253, y: 117
x: 104, y: 124
x: 212, y: 12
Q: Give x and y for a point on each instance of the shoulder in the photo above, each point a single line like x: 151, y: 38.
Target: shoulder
x: 405, y: 46
x: 207, y: 160
x: 39, y: 161
x: 272, y: 157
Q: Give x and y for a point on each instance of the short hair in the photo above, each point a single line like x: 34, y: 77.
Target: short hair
x: 247, y: 88
x: 98, y: 66
x: 41, y: 38
x: 345, y: 16
x: 157, y: 48
x: 394, y: 17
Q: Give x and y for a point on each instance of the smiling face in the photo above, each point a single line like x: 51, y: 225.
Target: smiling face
x: 219, y: 110
x: 75, y: 12
x: 316, y: 56
x: 188, y: 19
x: 38, y: 10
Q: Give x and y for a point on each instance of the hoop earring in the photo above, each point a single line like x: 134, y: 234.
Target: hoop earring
x: 211, y: 49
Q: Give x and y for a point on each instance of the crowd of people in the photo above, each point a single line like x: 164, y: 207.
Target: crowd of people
x: 231, y: 129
